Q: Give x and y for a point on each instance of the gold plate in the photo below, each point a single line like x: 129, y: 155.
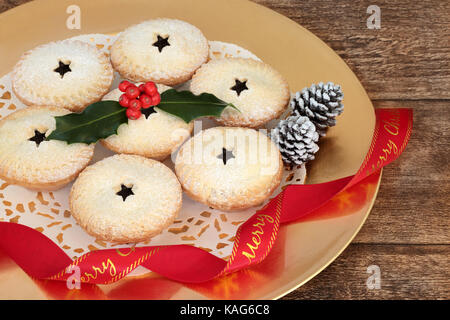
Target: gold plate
x: 304, y: 248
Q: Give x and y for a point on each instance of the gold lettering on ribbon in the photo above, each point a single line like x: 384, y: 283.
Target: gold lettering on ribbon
x: 391, y: 147
x: 393, y: 124
x: 125, y: 254
x: 108, y: 264
x: 257, y: 233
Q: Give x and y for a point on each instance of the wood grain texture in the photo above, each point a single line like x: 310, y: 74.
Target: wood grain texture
x: 9, y: 4
x: 404, y: 64
x: 408, y: 58
x: 407, y: 272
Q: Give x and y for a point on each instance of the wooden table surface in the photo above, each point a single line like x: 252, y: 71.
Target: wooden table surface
x: 405, y: 63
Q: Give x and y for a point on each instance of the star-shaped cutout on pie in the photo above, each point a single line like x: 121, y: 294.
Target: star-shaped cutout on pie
x: 226, y: 155
x: 38, y: 137
x: 63, y: 69
x: 147, y: 112
x: 239, y: 86
x: 161, y: 43
x: 125, y: 192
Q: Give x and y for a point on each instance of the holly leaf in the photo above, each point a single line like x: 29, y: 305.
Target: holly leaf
x: 102, y: 119
x: 98, y: 121
x: 188, y: 106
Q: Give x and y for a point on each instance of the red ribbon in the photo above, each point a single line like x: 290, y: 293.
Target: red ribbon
x: 41, y: 258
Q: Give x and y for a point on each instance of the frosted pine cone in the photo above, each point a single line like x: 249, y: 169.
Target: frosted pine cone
x: 321, y: 103
x: 296, y: 138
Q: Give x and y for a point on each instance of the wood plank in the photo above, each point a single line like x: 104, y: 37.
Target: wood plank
x: 408, y: 58
x: 414, y: 197
x: 412, y: 272
x: 9, y: 4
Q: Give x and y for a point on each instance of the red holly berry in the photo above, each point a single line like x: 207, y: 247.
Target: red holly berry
x: 135, y: 104
x: 133, y: 114
x: 132, y: 92
x: 146, y: 101
x: 142, y: 87
x: 150, y: 88
x: 124, y: 101
x: 124, y: 85
x: 156, y: 99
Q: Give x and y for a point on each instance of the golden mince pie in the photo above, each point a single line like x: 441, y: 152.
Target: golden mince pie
x: 256, y: 89
x: 29, y: 160
x: 125, y: 198
x: 67, y: 73
x: 155, y: 134
x: 229, y: 168
x: 165, y: 51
